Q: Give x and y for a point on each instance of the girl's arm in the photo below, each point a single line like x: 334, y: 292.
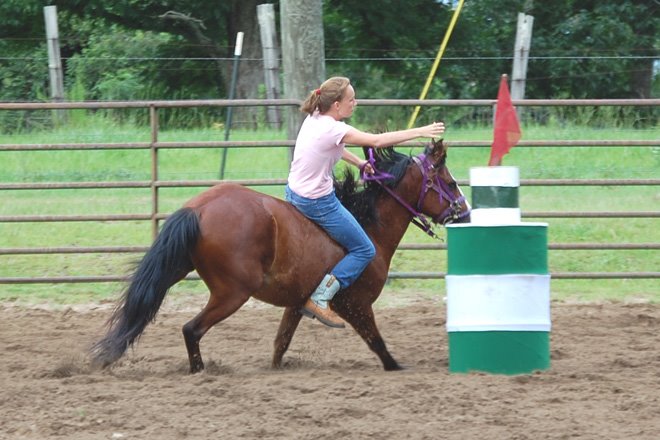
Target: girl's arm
x: 382, y: 140
x: 352, y: 158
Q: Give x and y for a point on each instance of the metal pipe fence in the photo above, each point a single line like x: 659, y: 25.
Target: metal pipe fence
x: 154, y: 184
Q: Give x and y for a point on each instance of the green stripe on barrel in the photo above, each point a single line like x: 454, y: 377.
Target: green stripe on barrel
x: 484, y: 197
x: 499, y: 352
x: 497, y: 249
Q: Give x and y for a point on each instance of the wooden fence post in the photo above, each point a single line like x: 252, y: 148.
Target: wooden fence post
x: 54, y: 59
x: 521, y: 55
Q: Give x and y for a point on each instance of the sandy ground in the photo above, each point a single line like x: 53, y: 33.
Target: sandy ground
x: 604, y: 382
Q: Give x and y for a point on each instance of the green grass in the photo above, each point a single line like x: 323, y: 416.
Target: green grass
x: 244, y: 163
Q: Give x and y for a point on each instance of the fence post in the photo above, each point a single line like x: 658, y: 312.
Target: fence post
x: 232, y: 90
x: 153, y: 120
x: 54, y: 59
x: 521, y: 55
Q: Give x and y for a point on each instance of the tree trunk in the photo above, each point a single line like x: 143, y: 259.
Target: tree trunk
x: 303, y: 53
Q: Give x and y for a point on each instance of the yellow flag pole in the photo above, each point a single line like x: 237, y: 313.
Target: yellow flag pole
x: 436, y: 63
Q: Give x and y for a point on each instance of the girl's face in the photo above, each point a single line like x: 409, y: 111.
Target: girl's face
x: 347, y: 104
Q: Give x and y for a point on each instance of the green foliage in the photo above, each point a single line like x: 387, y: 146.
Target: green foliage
x: 606, y: 29
x: 175, y: 49
x: 20, y: 15
x: 564, y: 33
x: 26, y: 80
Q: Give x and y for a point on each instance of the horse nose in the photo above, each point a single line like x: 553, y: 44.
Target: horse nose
x: 463, y: 216
x: 467, y: 209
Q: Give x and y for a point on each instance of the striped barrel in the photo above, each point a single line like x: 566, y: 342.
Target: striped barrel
x: 498, y: 285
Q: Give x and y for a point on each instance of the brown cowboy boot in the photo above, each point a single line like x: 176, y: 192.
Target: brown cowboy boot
x: 326, y: 316
x: 317, y: 306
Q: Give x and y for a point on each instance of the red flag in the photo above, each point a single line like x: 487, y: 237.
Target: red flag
x: 506, y: 132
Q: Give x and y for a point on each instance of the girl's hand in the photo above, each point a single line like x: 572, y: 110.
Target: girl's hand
x: 366, y: 168
x: 435, y: 130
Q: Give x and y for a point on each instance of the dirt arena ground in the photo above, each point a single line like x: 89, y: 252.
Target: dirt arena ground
x: 604, y: 382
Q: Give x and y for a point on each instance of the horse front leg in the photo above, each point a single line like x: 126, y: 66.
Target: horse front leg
x: 361, y: 317
x: 288, y: 325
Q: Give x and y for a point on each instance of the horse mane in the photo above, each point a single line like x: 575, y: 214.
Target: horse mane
x: 361, y: 201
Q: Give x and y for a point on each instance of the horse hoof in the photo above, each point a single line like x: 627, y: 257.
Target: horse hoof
x: 395, y: 367
x: 194, y: 369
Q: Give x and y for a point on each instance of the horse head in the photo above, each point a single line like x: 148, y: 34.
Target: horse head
x: 440, y: 197
x: 421, y: 184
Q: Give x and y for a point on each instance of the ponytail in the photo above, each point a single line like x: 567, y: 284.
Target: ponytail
x: 321, y: 99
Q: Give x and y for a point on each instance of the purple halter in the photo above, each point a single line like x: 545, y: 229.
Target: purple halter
x: 449, y: 215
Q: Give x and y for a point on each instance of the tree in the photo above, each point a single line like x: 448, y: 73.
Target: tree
x: 569, y: 36
x: 303, y: 54
x: 209, y: 27
x: 579, y: 49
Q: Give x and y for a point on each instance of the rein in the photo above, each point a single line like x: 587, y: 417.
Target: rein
x: 449, y: 215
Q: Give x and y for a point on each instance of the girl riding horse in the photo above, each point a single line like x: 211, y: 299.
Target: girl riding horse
x: 244, y: 244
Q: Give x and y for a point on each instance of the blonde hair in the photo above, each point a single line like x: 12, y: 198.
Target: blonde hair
x: 321, y: 99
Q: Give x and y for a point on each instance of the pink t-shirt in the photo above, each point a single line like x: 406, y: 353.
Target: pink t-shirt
x: 318, y: 149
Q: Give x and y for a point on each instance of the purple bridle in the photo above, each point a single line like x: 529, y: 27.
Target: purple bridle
x: 452, y: 213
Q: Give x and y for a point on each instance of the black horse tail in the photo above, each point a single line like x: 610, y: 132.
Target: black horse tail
x: 165, y: 263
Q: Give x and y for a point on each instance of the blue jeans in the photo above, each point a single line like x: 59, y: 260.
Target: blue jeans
x: 340, y: 224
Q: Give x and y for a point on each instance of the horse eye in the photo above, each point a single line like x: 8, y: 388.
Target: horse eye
x: 453, y: 185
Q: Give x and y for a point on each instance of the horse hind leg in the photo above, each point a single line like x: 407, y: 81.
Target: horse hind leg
x: 219, y: 307
x: 288, y: 326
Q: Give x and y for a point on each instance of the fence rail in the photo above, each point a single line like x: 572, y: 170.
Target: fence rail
x: 154, y: 184
x: 267, y: 182
x: 391, y: 275
x: 289, y: 143
x: 161, y: 216
x: 96, y: 105
x: 402, y: 247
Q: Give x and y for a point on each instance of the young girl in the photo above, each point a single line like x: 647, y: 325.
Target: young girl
x: 319, y: 146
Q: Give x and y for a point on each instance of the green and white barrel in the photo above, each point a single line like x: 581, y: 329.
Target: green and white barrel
x: 498, y: 288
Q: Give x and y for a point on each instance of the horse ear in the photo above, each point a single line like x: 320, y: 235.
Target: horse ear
x: 439, y: 150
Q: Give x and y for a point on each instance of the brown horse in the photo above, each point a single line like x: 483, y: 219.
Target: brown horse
x: 243, y: 243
